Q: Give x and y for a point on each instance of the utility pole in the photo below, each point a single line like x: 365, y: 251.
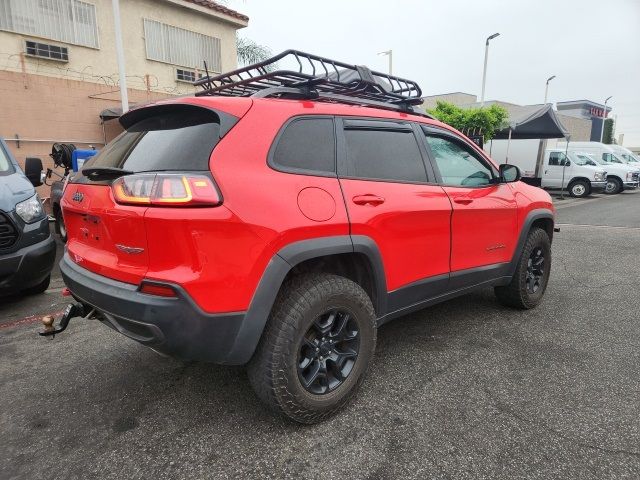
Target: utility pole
x: 389, y: 53
x: 124, y: 96
x: 484, y: 71
x: 604, y: 117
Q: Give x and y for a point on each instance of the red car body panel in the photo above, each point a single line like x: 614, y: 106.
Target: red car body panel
x: 219, y: 254
x: 484, y: 226
x: 411, y: 227
x: 98, y: 224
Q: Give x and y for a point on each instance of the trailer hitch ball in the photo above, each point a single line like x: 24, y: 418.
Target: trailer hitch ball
x: 47, y: 322
x: 72, y: 310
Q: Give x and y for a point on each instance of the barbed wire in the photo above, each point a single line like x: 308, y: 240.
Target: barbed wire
x: 35, y: 66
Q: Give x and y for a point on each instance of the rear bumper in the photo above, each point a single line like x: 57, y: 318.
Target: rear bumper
x: 26, y: 267
x: 174, y: 326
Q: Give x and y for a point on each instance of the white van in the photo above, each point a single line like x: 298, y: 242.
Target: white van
x: 621, y: 175
x: 579, y: 176
x: 626, y: 154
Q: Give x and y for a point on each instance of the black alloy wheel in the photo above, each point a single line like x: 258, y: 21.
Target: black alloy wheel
x: 535, y: 270
x: 328, y: 351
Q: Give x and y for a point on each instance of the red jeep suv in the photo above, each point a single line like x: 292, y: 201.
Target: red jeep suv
x: 278, y: 217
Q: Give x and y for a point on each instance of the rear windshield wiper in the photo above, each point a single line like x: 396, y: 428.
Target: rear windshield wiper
x: 104, y: 173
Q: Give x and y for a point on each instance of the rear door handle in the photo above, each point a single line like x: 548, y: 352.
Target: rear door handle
x: 463, y: 201
x: 368, y: 200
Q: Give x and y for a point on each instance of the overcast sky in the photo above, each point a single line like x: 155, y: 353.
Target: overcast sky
x: 593, y: 46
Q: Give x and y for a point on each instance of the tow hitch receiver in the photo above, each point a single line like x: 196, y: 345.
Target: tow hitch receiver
x: 72, y: 310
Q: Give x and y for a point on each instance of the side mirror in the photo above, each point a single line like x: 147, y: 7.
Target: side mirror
x: 33, y: 170
x: 509, y: 173
x: 567, y: 163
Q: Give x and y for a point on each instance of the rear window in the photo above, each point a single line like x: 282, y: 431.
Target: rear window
x: 166, y: 141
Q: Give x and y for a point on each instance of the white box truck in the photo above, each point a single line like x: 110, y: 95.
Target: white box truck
x: 580, y: 177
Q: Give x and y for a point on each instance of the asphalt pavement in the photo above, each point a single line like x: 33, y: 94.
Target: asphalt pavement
x: 465, y: 389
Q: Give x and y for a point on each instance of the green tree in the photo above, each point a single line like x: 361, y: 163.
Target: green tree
x: 472, y: 121
x: 250, y: 52
x: 607, y: 136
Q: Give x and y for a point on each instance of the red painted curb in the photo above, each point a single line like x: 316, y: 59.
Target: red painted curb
x: 28, y: 320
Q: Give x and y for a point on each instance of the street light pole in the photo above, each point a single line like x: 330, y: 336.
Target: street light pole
x: 546, y: 90
x: 124, y: 96
x: 484, y: 71
x: 604, y: 117
x: 389, y: 53
x: 542, y: 146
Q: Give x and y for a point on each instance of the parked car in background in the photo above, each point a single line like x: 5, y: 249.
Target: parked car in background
x: 281, y: 232
x: 27, y: 249
x: 578, y: 176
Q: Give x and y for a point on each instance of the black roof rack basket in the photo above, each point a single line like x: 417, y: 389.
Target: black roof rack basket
x: 315, y: 77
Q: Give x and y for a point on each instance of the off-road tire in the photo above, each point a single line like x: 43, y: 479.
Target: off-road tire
x: 40, y: 288
x: 619, y: 186
x: 579, y: 189
x: 515, y: 294
x: 273, y: 370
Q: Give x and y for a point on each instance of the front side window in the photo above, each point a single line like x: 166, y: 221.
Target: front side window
x: 610, y: 158
x: 557, y: 159
x: 5, y: 164
x: 457, y: 165
x: 384, y: 154
x: 307, y: 144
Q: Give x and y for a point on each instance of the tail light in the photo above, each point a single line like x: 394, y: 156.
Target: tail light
x: 166, y: 189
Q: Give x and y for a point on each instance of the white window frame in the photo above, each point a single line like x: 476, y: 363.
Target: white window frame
x: 43, y: 25
x: 160, y: 49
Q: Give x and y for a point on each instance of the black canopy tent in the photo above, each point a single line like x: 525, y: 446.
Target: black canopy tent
x: 531, y: 122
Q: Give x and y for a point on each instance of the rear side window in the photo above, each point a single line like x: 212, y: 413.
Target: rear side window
x: 384, y: 154
x: 166, y: 141
x: 307, y: 144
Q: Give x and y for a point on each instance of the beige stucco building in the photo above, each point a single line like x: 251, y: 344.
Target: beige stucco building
x: 58, y: 64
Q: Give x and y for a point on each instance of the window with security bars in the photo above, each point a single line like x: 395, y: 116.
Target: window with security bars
x: 68, y: 21
x: 177, y: 46
x: 43, y: 50
x: 190, y: 76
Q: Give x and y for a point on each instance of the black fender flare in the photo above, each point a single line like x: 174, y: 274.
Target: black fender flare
x: 532, y: 216
x: 277, y: 269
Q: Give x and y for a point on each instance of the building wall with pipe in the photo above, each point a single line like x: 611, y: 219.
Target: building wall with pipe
x: 43, y: 101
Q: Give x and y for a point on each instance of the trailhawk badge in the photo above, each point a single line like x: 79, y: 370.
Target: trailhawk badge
x: 129, y: 250
x: 77, y: 197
